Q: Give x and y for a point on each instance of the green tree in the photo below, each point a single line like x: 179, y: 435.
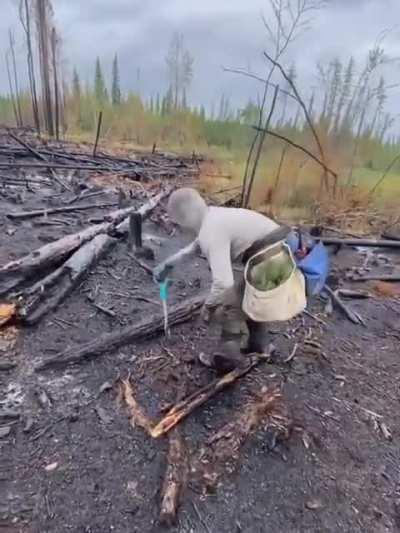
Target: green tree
x: 115, y: 89
x: 100, y: 90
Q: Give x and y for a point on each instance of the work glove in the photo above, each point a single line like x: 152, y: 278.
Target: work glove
x: 161, y: 272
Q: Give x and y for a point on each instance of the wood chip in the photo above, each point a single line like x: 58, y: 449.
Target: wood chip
x: 51, y: 467
x: 314, y: 505
x: 385, y: 431
x: 7, y: 311
x: 5, y: 431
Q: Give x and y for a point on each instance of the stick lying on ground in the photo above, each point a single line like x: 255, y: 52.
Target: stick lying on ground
x: 174, y: 480
x: 353, y: 316
x: 361, y: 242
x: 377, y: 277
x: 137, y: 416
x: 39, y: 156
x: 145, y: 328
x: 53, y: 211
x: 182, y: 409
x: 40, y: 259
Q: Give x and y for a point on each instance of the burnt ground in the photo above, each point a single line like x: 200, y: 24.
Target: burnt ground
x: 72, y: 462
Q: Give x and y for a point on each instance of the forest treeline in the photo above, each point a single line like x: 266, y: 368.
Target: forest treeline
x: 348, y: 107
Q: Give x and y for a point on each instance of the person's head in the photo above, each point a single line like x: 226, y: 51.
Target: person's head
x: 187, y: 209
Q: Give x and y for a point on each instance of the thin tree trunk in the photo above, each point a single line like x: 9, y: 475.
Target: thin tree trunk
x: 31, y: 67
x: 56, y: 88
x: 11, y: 89
x: 16, y: 85
x: 43, y: 39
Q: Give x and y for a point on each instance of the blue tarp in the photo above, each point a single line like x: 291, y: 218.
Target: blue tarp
x: 315, y: 265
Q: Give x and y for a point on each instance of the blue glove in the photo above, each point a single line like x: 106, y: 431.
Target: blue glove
x: 161, y: 272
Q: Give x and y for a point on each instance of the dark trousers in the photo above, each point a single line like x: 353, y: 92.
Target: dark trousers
x: 250, y: 336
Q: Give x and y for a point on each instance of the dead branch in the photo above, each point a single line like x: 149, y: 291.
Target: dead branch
x: 184, y: 408
x: 99, y: 121
x: 39, y: 156
x: 261, y: 80
x: 148, y: 327
x: 305, y: 111
x: 258, y: 154
x: 55, y: 165
x: 301, y: 148
x: 377, y: 277
x: 351, y: 315
x: 55, y: 210
x: 137, y: 416
x: 384, y: 175
x: 361, y: 242
x: 174, y: 480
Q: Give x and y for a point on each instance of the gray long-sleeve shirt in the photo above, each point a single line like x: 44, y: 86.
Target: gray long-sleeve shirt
x: 225, y: 233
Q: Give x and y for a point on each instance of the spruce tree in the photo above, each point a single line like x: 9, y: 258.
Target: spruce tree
x: 115, y: 89
x: 100, y: 90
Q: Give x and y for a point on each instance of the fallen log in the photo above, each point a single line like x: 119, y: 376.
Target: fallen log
x: 353, y: 316
x: 377, y: 277
x: 174, y: 480
x: 374, y: 243
x: 67, y: 277
x: 39, y: 156
x: 14, y: 272
x: 44, y: 164
x: 182, y: 409
x: 145, y: 328
x: 392, y: 234
x: 56, y: 210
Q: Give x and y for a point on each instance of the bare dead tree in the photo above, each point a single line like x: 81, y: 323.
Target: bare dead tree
x: 25, y: 18
x: 289, y: 19
x: 55, y: 79
x: 302, y: 149
x: 357, y: 143
x: 267, y: 124
x: 42, y: 14
x: 11, y: 88
x: 15, y: 74
x: 307, y: 116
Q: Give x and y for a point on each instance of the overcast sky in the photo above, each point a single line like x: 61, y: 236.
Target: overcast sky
x: 217, y: 32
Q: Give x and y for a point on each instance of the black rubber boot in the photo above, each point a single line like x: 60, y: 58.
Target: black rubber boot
x: 258, y: 337
x: 224, y: 360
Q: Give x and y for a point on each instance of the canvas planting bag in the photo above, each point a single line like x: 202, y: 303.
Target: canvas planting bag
x: 280, y: 303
